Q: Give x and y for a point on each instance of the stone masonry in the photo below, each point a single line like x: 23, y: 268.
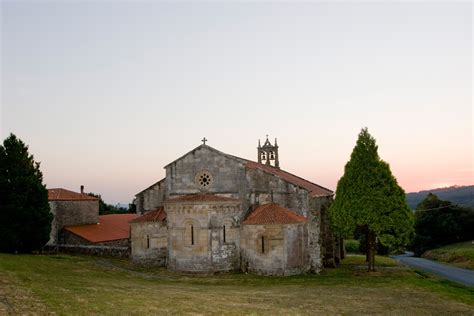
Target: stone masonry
x: 207, y: 192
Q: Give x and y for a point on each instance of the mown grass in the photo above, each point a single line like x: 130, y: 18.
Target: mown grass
x: 460, y: 254
x: 65, y: 284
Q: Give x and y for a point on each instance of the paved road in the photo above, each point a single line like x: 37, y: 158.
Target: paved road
x: 463, y: 276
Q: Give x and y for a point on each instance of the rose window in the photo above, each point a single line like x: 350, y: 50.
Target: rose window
x: 204, y: 179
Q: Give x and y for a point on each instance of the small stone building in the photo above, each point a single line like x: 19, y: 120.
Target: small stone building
x: 77, y: 226
x: 218, y: 212
x: 70, y: 209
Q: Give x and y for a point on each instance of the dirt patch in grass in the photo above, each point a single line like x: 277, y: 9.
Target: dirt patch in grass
x: 83, y: 285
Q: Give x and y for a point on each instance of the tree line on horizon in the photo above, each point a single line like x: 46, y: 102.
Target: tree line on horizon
x: 459, y: 195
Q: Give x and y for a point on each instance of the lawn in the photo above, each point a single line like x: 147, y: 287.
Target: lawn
x: 460, y: 254
x: 64, y: 284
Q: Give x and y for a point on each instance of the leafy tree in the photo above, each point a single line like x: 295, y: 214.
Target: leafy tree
x: 25, y: 218
x: 369, y: 198
x: 439, y: 223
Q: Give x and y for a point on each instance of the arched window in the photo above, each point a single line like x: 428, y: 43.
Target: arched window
x: 191, y: 233
x: 223, y: 234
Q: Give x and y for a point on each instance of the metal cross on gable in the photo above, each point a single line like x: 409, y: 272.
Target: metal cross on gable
x: 204, y: 140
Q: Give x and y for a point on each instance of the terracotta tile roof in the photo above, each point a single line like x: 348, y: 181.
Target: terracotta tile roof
x: 110, y: 227
x: 158, y: 215
x: 201, y: 198
x: 272, y: 214
x: 59, y: 194
x: 314, y: 189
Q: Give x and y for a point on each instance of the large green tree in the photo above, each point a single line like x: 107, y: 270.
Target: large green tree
x: 369, y: 198
x: 25, y: 218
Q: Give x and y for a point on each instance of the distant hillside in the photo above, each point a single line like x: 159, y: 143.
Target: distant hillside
x: 464, y: 196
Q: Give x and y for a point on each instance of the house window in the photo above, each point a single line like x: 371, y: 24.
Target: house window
x: 263, y: 244
x: 192, y: 235
x: 147, y: 242
x: 223, y: 233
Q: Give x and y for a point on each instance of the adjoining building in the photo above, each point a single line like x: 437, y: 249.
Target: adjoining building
x: 70, y: 209
x: 78, y: 227
x: 217, y: 212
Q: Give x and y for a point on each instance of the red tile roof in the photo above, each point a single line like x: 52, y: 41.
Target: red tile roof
x: 158, y: 215
x: 314, y: 189
x: 110, y: 227
x: 201, y: 198
x: 66, y: 195
x: 272, y: 214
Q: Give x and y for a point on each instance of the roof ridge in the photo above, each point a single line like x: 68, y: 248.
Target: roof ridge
x: 306, y: 180
x: 204, y: 146
x: 152, y: 185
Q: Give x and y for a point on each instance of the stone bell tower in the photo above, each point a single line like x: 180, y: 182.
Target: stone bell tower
x: 268, y: 153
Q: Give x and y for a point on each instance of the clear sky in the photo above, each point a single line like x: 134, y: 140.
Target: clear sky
x: 106, y: 93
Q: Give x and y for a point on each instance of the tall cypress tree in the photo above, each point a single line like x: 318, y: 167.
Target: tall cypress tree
x: 368, y: 197
x: 25, y: 218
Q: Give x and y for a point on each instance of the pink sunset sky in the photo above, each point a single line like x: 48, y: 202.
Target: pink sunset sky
x: 106, y: 93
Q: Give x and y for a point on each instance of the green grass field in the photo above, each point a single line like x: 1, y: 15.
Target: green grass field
x: 460, y: 254
x: 63, y: 284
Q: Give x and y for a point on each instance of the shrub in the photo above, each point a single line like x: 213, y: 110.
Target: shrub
x: 352, y: 246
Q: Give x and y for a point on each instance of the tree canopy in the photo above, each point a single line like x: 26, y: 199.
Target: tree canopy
x: 25, y: 218
x: 368, y: 197
x: 105, y: 208
x: 439, y: 223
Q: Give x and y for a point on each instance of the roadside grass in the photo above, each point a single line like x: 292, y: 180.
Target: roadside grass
x: 460, y: 254
x: 65, y: 284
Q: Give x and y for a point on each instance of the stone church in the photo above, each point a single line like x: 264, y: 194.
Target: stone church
x: 218, y: 212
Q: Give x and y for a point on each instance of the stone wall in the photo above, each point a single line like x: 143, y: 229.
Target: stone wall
x: 314, y: 234
x: 283, y: 250
x: 73, y: 243
x: 94, y: 250
x: 196, y: 236
x: 149, y: 241
x: 68, y: 238
x: 151, y: 198
x: 328, y: 241
x: 228, y: 174
x: 264, y: 188
x: 72, y: 213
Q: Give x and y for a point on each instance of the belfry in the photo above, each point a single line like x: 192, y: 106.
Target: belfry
x: 268, y: 153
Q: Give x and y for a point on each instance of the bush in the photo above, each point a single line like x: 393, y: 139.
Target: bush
x: 352, y: 246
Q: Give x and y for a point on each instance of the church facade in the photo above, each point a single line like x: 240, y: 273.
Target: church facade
x: 217, y: 212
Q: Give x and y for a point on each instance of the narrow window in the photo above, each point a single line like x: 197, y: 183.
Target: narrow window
x: 224, y: 233
x: 147, y: 242
x: 192, y: 235
x: 263, y: 244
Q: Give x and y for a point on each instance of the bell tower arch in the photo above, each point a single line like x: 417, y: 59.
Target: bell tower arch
x: 268, y: 153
